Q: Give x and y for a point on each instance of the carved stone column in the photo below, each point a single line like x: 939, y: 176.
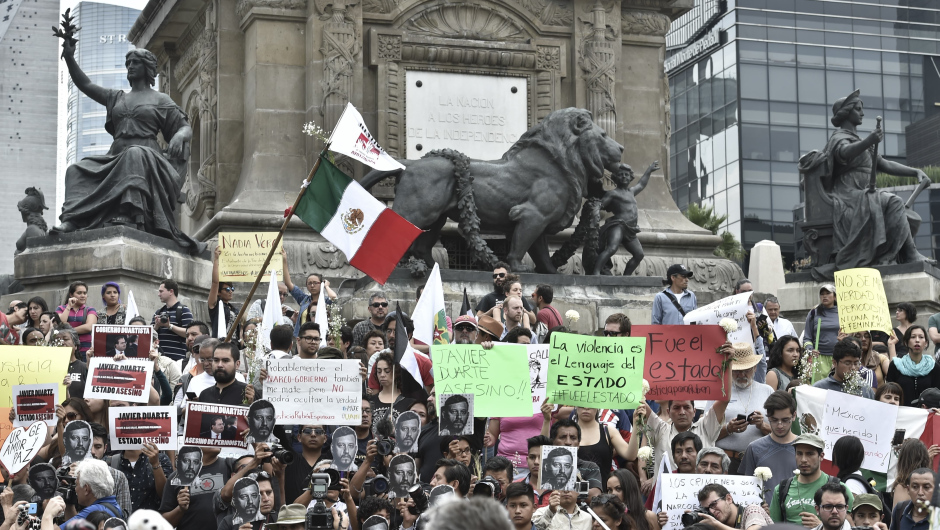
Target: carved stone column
x: 598, y: 53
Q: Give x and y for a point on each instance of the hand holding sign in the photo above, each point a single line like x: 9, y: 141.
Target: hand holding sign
x: 22, y: 445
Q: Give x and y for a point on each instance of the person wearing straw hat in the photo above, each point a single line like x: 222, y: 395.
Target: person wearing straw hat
x: 291, y: 517
x: 746, y: 422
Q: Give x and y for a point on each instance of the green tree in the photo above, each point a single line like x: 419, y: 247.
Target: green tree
x: 730, y: 247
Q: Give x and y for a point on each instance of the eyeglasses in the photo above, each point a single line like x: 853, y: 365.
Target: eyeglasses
x: 366, y: 411
x: 500, y: 275
x: 780, y: 421
x: 608, y: 333
x: 312, y: 339
x: 71, y: 416
x: 282, y: 295
x: 318, y: 432
x: 465, y: 329
x: 380, y: 304
x: 229, y: 289
x: 834, y: 507
x: 711, y: 506
x: 461, y: 452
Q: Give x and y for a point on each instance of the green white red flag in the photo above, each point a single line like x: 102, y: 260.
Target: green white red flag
x: 430, y: 319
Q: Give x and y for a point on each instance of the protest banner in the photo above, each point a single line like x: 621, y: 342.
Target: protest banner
x: 680, y: 493
x: 734, y: 307
x: 122, y: 380
x: 314, y: 391
x: 538, y: 374
x: 243, y: 253
x: 29, y: 365
x: 22, y: 445
x: 863, y: 304
x: 35, y: 403
x: 131, y: 427
x: 498, y: 378
x: 208, y: 425
x: 870, y: 421
x: 682, y: 362
x: 132, y: 341
x: 596, y: 372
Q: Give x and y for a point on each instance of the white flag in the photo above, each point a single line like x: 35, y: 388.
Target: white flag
x: 658, y: 497
x: 272, y: 311
x: 130, y: 310
x: 222, y: 328
x: 320, y: 317
x: 350, y: 137
x: 429, y: 316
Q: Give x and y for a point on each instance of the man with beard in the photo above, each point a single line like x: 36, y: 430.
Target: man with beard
x: 908, y: 515
x: 188, y: 464
x: 261, y: 416
x: 558, y: 469
x: 77, y: 439
x: 378, y: 309
x: 799, y: 491
x: 344, y: 447
x: 401, y: 470
x: 407, y: 428
x: 746, y: 421
x: 226, y: 391
x: 42, y: 478
x: 247, y: 500
x: 832, y: 505
x: 455, y: 413
x: 465, y: 330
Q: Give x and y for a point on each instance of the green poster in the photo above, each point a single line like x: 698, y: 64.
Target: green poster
x: 596, y: 372
x: 498, y: 378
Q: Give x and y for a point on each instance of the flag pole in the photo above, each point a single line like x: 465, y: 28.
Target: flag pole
x: 277, y: 241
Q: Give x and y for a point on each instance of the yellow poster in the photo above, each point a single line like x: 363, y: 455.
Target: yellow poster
x: 862, y: 301
x: 30, y: 365
x: 243, y: 254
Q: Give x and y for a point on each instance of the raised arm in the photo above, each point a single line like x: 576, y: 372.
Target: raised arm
x: 645, y: 179
x: 286, y: 279
x: 213, y: 300
x: 95, y: 92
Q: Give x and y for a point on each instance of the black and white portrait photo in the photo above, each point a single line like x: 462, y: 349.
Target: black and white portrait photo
x: 407, y: 430
x: 43, y: 480
x: 246, y: 499
x: 188, y: 466
x: 261, y: 416
x: 77, y: 438
x: 375, y: 522
x: 559, y: 467
x: 456, y: 414
x: 441, y: 494
x: 344, y: 447
x: 401, y: 476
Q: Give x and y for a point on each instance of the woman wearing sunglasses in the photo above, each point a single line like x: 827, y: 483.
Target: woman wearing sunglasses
x: 70, y: 410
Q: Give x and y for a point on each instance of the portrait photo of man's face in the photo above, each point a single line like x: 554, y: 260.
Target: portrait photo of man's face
x: 558, y: 467
x: 261, y: 417
x: 188, y: 466
x: 344, y: 447
x: 77, y: 438
x: 441, y: 494
x: 407, y: 430
x: 401, y: 472
x: 43, y: 480
x: 456, y: 414
x: 246, y: 498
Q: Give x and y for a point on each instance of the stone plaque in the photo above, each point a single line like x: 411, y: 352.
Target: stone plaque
x: 478, y: 115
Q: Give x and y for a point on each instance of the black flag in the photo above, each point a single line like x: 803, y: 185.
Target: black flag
x: 465, y: 306
x: 406, y: 361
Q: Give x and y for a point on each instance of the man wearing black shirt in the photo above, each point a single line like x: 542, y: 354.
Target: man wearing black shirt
x: 227, y: 391
x: 191, y: 507
x: 296, y: 476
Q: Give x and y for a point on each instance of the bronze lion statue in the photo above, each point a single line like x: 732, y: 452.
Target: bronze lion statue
x: 533, y: 191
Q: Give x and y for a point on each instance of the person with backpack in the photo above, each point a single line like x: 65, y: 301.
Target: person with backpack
x: 171, y: 321
x: 80, y: 316
x: 673, y: 302
x: 847, y: 455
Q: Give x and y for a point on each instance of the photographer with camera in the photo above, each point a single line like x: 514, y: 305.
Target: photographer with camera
x: 719, y: 511
x: 312, y: 438
x: 327, y: 495
x: 497, y: 474
x: 171, y: 321
x: 94, y: 489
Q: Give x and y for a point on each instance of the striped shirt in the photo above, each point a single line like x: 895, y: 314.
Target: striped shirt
x: 171, y: 344
x: 76, y: 319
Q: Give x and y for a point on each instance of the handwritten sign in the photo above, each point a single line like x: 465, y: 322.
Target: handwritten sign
x: 498, y: 378
x: 680, y: 493
x: 734, y: 306
x: 35, y: 403
x: 596, y: 372
x: 682, y: 362
x: 122, y: 380
x: 870, y: 421
x: 314, y: 391
x: 862, y: 301
x: 131, y: 427
x: 243, y: 254
x: 538, y: 374
x: 22, y: 445
x: 29, y: 365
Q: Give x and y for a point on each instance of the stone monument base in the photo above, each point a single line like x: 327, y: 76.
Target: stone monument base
x: 916, y: 283
x: 137, y: 261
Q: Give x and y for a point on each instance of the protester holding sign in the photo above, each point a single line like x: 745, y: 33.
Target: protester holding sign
x: 915, y: 371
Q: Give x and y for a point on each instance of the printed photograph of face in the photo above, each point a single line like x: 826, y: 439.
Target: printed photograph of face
x: 43, y: 480
x: 261, y: 416
x: 456, y: 414
x: 407, y: 430
x: 246, y: 498
x: 375, y: 522
x: 115, y: 524
x: 188, y: 466
x: 559, y: 467
x: 344, y: 446
x: 441, y: 494
x: 77, y: 438
x: 401, y: 476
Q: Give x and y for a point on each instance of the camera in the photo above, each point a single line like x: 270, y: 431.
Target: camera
x: 319, y: 517
x: 66, y: 488
x: 384, y: 445
x: 582, y: 487
x: 164, y: 318
x: 691, y: 518
x: 487, y: 487
x: 283, y: 455
x: 376, y: 485
x: 420, y: 499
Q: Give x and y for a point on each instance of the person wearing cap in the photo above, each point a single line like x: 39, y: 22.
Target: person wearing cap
x: 915, y: 371
x: 291, y: 517
x: 846, y: 358
x: 465, y: 330
x: 746, y: 421
x: 822, y: 322
x: 761, y: 332
x: 867, y: 511
x: 673, y: 302
x: 929, y: 399
x: 794, y: 498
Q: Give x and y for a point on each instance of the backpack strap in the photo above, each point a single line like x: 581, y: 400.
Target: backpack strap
x: 84, y: 315
x: 782, y: 491
x: 115, y: 510
x: 674, y: 300
x: 115, y: 461
x: 179, y: 315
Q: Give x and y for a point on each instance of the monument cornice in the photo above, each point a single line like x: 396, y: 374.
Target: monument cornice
x: 268, y: 8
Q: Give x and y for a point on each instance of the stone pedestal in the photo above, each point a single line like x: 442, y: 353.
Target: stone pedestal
x: 766, y: 267
x: 137, y: 261
x: 916, y: 283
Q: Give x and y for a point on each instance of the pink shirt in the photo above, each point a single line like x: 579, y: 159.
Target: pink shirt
x: 513, y: 433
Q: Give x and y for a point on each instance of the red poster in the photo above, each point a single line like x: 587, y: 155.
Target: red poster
x: 211, y: 425
x: 119, y: 379
x: 682, y: 362
x: 131, y: 341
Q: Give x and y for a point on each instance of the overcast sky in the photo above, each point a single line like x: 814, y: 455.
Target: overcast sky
x: 136, y: 4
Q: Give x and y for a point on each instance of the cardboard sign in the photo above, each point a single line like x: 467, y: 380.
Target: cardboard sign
x: 122, y: 380
x: 246, y: 499
x: 407, y: 430
x: 456, y: 415
x: 559, y: 469
x: 680, y: 493
x: 29, y: 365
x: 35, y: 403
x: 498, y: 378
x: 734, y: 306
x: 22, y: 445
x: 132, y: 341
x: 538, y: 374
x: 862, y: 301
x: 243, y: 254
x: 210, y: 425
x: 682, y: 362
x: 132, y: 427
x: 596, y: 372
x: 314, y: 391
x: 78, y: 440
x: 188, y: 466
x: 870, y: 421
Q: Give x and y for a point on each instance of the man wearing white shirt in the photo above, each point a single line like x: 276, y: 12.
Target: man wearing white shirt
x: 781, y: 325
x: 282, y: 338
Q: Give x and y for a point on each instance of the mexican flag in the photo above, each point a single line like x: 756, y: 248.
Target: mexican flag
x: 373, y: 237
x: 429, y: 318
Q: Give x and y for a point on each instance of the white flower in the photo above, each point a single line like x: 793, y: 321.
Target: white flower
x: 763, y: 474
x: 730, y: 325
x: 572, y: 315
x: 796, y: 471
x: 645, y: 453
x: 646, y: 387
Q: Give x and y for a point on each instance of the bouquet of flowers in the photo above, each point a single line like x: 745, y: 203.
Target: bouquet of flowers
x: 337, y: 322
x: 853, y: 383
x: 249, y: 353
x: 808, y: 364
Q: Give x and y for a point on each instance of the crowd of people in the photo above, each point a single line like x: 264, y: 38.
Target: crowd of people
x: 385, y: 474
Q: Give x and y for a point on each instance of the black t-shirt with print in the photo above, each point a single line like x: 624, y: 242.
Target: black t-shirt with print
x: 200, y: 514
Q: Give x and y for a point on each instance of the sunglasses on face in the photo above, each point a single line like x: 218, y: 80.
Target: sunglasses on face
x: 71, y: 416
x: 380, y: 304
x: 608, y: 333
x: 465, y: 329
x: 499, y: 275
x: 229, y: 289
x: 318, y: 432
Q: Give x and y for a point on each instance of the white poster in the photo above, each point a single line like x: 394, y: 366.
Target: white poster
x: 35, y: 403
x: 132, y: 427
x: 128, y: 380
x: 734, y: 306
x: 538, y: 374
x: 307, y: 391
x: 870, y: 421
x: 680, y: 493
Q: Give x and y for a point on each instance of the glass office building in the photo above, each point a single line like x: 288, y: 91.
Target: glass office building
x: 752, y: 84
x: 100, y: 53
